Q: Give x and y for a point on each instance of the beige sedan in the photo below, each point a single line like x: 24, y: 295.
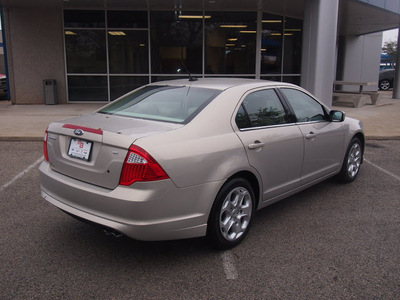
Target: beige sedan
x: 183, y: 158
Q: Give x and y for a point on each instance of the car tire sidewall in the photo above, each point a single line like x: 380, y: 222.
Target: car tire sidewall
x: 213, y: 227
x: 343, y: 176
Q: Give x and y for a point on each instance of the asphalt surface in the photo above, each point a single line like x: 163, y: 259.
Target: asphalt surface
x: 331, y: 241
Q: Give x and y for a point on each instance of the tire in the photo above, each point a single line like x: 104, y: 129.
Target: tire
x: 352, y: 162
x: 231, y: 214
x: 384, y: 85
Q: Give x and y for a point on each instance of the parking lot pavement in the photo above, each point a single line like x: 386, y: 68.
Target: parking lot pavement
x: 331, y: 241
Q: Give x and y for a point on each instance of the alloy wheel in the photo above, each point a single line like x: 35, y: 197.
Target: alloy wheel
x: 354, y: 160
x: 235, y: 214
x: 384, y: 85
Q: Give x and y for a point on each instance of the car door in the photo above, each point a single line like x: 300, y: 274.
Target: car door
x: 273, y: 142
x: 323, y: 139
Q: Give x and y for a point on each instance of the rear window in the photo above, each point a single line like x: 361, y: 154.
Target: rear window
x: 177, y: 104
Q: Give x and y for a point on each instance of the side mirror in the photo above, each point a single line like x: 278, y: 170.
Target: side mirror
x: 336, y: 116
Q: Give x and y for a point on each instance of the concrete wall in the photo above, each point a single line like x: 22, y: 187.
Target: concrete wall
x: 34, y: 38
x: 359, y: 59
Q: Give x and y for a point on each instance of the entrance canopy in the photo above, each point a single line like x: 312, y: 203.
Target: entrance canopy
x: 355, y: 17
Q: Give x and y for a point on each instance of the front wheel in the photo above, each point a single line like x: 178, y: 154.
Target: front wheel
x: 384, y: 85
x: 352, y: 162
x: 231, y: 214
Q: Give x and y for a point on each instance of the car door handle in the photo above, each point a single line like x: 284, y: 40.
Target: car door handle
x: 257, y: 144
x: 311, y: 135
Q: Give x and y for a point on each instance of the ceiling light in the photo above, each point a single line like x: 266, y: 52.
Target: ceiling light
x: 248, y: 31
x: 233, y: 26
x: 193, y: 17
x: 70, y: 33
x: 271, y: 21
x: 116, y: 33
x: 232, y: 40
x: 294, y: 29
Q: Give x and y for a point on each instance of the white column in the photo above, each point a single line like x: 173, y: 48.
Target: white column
x: 319, y: 47
x: 359, y: 59
x: 396, y: 80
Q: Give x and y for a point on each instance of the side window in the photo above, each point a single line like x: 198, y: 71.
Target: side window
x: 242, y: 119
x: 305, y: 107
x: 261, y: 108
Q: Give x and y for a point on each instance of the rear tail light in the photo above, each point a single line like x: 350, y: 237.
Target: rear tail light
x: 46, y: 154
x: 140, y: 166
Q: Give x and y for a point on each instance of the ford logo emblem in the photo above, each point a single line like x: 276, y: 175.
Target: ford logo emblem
x: 78, y: 131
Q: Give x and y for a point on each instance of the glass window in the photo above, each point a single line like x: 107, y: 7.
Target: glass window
x: 86, y: 51
x: 87, y: 88
x: 163, y: 78
x: 293, y: 45
x: 177, y: 104
x: 84, y: 18
x: 128, y: 52
x: 271, y: 44
x: 272, y: 78
x: 292, y: 79
x: 230, y: 42
x: 173, y: 40
x: 261, y: 108
x: 242, y: 118
x: 126, y: 19
x: 120, y: 85
x: 306, y: 108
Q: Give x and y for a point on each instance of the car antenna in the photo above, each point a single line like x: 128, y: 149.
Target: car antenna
x: 191, y: 78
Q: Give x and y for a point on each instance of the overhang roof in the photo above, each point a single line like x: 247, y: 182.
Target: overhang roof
x: 355, y: 18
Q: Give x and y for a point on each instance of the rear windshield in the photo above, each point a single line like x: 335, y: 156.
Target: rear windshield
x: 177, y: 104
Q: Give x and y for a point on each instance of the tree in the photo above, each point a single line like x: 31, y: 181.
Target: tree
x: 390, y: 48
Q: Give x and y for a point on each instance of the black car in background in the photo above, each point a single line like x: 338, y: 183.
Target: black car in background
x: 386, y: 79
x: 3, y: 87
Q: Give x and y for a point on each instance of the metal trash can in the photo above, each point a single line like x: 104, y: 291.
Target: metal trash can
x: 50, y: 91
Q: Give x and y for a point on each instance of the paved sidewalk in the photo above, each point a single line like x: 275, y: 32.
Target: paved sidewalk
x: 381, y: 121
x: 28, y: 122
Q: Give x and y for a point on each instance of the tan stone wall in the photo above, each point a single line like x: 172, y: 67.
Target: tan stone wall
x: 35, y: 52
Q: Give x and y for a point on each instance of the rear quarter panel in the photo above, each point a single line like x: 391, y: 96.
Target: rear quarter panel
x: 204, y: 150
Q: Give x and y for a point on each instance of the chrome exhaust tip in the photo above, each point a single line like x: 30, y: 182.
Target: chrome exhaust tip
x: 112, y: 233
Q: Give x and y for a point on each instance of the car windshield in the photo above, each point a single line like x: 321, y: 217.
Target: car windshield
x: 178, y: 104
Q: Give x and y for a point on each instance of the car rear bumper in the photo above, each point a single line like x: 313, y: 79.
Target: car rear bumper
x: 145, y: 211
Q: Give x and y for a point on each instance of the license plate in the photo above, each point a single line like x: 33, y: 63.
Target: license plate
x: 80, y: 149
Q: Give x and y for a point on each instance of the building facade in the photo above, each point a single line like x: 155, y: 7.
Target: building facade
x: 97, y: 50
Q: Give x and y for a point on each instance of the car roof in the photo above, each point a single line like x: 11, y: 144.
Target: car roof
x: 221, y: 83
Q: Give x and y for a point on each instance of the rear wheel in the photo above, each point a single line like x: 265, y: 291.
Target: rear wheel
x: 384, y: 84
x: 231, y: 214
x: 352, y: 162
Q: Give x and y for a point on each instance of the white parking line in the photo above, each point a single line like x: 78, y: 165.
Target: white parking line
x: 21, y: 174
x: 228, y: 261
x: 383, y: 170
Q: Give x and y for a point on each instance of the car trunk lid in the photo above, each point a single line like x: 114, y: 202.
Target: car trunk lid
x: 92, y: 148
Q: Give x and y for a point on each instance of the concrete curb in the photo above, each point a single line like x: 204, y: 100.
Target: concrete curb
x: 21, y: 139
